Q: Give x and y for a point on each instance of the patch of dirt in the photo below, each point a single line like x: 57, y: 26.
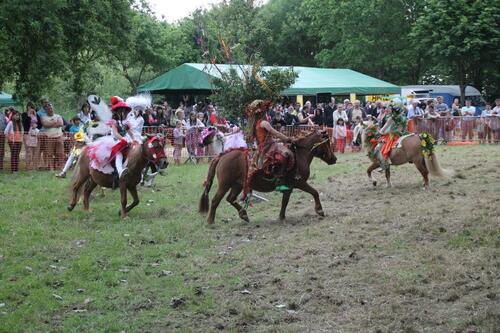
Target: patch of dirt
x: 383, y: 260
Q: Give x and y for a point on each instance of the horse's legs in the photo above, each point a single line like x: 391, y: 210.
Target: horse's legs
x: 123, y: 199
x: 75, y: 189
x: 89, y: 187
x: 388, y: 176
x: 375, y: 164
x: 135, y: 197
x: 420, y: 164
x: 284, y: 204
x: 309, y: 189
x: 232, y: 198
x: 221, y: 191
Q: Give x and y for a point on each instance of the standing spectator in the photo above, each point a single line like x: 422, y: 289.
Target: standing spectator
x: 442, y: 121
x: 455, y: 108
x: 468, y: 122
x: 52, y: 129
x: 178, y: 141
x: 415, y: 115
x: 319, y: 115
x: 290, y: 117
x: 495, y: 121
x: 339, y: 134
x: 379, y: 108
x: 31, y: 147
x: 371, y: 110
x: 431, y: 118
x: 339, y: 113
x: 29, y: 116
x: 3, y: 124
x: 76, y: 125
x: 305, y: 116
x: 383, y: 114
x: 149, y: 119
x: 278, y: 122
x: 496, y: 109
x: 356, y: 137
x: 14, y: 133
x: 42, y: 111
x: 84, y: 113
x: 485, y: 124
x: 329, y: 109
x: 168, y: 113
x: 195, y: 126
x: 356, y: 112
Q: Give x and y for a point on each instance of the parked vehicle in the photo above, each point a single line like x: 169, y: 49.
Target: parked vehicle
x: 449, y: 92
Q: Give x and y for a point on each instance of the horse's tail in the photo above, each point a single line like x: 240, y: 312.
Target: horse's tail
x: 435, y: 169
x: 204, y: 204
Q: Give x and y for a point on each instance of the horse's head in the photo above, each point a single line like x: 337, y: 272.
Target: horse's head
x: 155, y: 150
x: 319, y: 145
x: 369, y: 133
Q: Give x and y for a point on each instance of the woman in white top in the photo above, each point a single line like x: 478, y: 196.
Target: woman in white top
x: 339, y: 113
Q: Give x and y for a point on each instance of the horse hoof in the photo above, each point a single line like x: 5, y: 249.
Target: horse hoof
x: 70, y: 208
x: 321, y: 213
x: 374, y: 183
x: 244, y: 217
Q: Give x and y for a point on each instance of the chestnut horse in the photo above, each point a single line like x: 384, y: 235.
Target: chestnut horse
x: 232, y: 169
x: 151, y: 151
x: 409, y: 150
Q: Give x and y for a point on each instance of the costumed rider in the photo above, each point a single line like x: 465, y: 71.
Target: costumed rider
x: 125, y: 130
x: 272, y: 158
x: 395, y: 126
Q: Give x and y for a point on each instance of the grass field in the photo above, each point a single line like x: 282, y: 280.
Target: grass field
x: 383, y: 260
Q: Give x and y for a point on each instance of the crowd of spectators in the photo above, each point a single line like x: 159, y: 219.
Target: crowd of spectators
x: 42, y: 131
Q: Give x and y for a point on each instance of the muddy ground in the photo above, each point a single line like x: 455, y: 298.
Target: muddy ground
x: 383, y: 260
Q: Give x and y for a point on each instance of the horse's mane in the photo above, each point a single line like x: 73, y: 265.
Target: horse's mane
x: 134, y: 155
x: 305, y: 134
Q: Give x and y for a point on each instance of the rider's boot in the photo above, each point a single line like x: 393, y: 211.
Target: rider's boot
x: 122, y: 171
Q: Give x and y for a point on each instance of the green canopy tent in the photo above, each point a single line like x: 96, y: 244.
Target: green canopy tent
x: 6, y: 99
x: 198, y: 79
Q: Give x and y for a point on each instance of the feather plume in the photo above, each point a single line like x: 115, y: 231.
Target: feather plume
x: 101, y: 109
x: 140, y: 102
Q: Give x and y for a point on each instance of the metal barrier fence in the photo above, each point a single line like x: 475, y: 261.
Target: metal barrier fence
x: 39, y: 152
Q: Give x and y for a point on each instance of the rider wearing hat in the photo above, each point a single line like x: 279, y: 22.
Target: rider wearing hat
x: 273, y: 158
x: 123, y: 131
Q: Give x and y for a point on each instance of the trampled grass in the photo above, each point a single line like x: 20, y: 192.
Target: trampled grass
x: 397, y: 259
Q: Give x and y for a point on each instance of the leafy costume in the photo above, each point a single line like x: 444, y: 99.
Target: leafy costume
x: 395, y: 126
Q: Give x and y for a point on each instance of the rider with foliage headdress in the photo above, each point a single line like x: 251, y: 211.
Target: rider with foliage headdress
x: 272, y: 158
x: 394, y: 127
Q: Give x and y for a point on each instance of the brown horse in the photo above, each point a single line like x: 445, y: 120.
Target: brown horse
x: 232, y: 168
x: 408, y: 151
x: 151, y: 151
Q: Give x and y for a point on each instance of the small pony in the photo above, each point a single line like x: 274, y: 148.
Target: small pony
x: 411, y: 148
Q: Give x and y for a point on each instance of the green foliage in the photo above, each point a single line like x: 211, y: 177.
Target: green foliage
x: 462, y: 35
x: 239, y: 86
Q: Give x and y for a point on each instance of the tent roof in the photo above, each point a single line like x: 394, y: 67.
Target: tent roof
x: 6, y: 99
x: 311, y: 80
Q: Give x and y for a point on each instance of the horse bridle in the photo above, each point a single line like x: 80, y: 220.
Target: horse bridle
x: 318, y: 144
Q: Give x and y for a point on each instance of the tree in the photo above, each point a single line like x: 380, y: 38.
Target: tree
x: 290, y: 42
x: 462, y: 35
x: 239, y: 86
x: 32, y: 45
x: 368, y: 36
